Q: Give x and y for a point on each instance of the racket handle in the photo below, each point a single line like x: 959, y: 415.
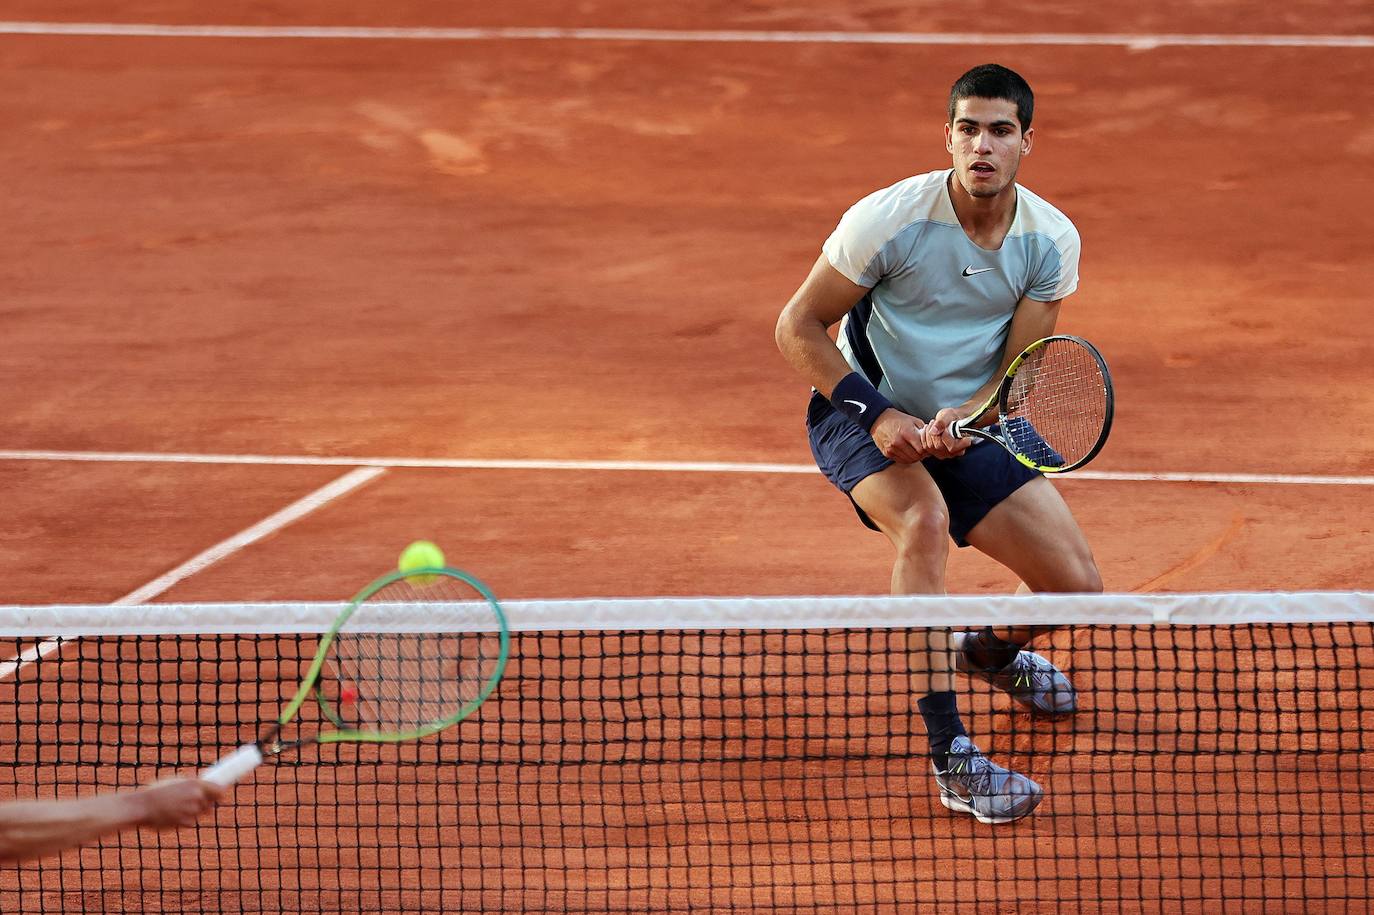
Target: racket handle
x: 956, y: 429
x: 235, y: 766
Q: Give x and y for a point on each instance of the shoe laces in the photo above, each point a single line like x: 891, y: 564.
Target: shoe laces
x: 1027, y: 675
x: 975, y: 769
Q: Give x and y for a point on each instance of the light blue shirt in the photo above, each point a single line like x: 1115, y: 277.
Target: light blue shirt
x: 933, y: 327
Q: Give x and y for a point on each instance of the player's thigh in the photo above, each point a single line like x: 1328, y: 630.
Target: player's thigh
x: 904, y: 502
x: 1033, y: 533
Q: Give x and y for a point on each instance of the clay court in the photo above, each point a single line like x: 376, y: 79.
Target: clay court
x: 528, y: 278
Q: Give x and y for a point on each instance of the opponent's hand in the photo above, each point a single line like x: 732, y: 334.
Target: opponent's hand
x: 937, y: 440
x: 175, y: 802
x: 899, y: 436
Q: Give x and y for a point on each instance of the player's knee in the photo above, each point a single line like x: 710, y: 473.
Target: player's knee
x: 1082, y: 577
x: 1092, y: 579
x: 1071, y: 573
x: 922, y: 529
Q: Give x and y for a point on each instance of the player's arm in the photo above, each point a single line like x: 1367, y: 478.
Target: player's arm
x: 802, y: 334
x: 1031, y: 321
x: 29, y: 829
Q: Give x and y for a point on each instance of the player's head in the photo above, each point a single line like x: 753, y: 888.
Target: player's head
x: 989, y: 129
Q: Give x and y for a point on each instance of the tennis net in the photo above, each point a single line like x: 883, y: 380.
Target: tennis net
x: 731, y: 755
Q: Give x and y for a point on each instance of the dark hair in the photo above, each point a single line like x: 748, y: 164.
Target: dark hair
x: 995, y: 81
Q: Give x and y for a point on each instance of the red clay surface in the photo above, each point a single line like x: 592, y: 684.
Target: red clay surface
x: 578, y: 249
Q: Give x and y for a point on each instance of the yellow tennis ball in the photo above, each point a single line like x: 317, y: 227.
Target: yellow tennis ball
x: 421, y: 555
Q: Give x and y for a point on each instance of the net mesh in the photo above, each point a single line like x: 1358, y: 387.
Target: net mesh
x: 1219, y: 761
x: 1055, y: 410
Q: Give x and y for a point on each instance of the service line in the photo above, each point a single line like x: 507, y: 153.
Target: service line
x: 284, y: 460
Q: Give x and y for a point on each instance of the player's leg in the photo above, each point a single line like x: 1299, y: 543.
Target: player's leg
x: 1014, y: 515
x: 903, y: 502
x: 1033, y: 533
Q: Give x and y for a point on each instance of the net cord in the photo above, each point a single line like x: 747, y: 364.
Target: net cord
x: 754, y: 613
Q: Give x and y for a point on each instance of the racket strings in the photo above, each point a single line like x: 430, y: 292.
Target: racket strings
x: 401, y: 681
x: 1056, y: 408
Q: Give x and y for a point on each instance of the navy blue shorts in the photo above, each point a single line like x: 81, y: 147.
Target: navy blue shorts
x: 972, y: 483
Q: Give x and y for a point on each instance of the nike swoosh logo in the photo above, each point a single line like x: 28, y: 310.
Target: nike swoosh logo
x: 969, y: 271
x: 863, y: 407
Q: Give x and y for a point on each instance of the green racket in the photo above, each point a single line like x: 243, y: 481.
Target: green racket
x: 415, y: 652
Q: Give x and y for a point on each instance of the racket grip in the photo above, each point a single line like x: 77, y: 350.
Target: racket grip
x: 233, y: 767
x: 956, y: 429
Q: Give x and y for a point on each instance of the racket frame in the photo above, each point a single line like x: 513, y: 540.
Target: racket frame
x: 311, y: 681
x: 998, y: 402
x: 239, y: 763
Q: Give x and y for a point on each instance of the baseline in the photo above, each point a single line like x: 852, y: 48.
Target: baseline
x: 1134, y: 42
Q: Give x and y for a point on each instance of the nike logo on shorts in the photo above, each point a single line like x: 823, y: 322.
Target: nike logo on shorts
x: 863, y: 407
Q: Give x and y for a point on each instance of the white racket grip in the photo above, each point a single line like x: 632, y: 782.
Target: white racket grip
x: 235, y: 766
x: 956, y: 429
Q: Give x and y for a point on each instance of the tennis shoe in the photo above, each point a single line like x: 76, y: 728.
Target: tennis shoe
x: 1031, y: 680
x: 972, y: 783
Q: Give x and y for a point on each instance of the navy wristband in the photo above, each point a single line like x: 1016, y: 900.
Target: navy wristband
x: 856, y: 398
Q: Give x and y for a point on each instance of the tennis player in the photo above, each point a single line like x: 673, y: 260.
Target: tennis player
x: 941, y: 280
x: 30, y: 829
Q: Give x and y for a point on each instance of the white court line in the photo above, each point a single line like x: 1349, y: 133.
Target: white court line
x: 275, y: 522
x: 1134, y: 42
x: 1275, y: 479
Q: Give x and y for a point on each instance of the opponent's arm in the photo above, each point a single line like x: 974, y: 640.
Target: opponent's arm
x: 29, y: 829
x: 802, y: 334
x: 1030, y: 321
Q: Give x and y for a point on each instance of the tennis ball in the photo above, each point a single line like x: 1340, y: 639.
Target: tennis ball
x: 421, y: 555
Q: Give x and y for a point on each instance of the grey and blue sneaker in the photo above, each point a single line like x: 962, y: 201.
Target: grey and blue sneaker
x: 1031, y: 680
x: 972, y: 783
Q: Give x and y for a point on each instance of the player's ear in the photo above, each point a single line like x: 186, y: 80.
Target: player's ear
x: 1027, y: 139
x: 949, y: 138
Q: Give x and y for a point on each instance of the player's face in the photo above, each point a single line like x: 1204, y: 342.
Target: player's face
x: 987, y: 144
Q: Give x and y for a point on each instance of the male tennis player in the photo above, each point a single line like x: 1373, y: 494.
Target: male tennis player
x: 942, y: 279
x: 30, y: 829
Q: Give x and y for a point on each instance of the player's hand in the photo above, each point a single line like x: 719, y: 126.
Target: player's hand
x: 175, y: 802
x: 937, y: 440
x: 899, y: 436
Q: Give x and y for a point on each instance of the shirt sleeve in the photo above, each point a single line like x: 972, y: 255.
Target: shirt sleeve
x: 860, y: 246
x: 1057, y: 275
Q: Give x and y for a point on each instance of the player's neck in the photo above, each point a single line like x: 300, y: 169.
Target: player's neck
x: 985, y: 220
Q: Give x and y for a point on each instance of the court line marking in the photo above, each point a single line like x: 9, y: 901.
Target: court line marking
x: 1143, y: 42
x: 1274, y: 479
x: 206, y: 558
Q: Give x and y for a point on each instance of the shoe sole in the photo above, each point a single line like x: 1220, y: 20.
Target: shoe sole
x: 959, y: 805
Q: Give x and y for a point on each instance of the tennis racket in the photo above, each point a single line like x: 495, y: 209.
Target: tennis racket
x: 1053, y: 410
x: 415, y: 652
